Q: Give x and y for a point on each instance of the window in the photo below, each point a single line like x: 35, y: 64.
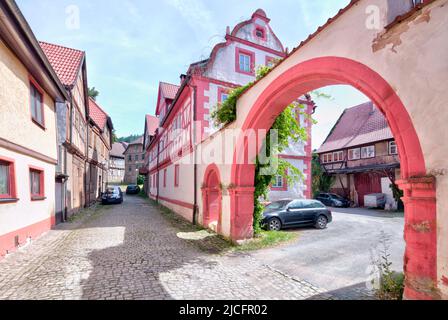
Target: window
x: 130, y: 169
x: 130, y: 158
x: 297, y: 204
x: 37, y: 184
x: 7, y: 179
x: 224, y: 96
x: 393, y: 149
x: 260, y: 33
x: 368, y: 152
x: 327, y: 158
x: 143, y: 156
x: 270, y: 61
x: 245, y: 61
x: 278, y: 183
x: 338, y: 156
x: 136, y: 157
x: 176, y: 175
x: 164, y: 178
x: 354, y: 154
x: 37, y: 107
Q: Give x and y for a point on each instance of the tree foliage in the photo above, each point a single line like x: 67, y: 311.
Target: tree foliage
x: 129, y: 139
x: 321, y: 181
x: 93, y: 93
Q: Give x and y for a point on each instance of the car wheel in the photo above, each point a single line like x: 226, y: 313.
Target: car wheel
x: 274, y: 225
x: 321, y: 222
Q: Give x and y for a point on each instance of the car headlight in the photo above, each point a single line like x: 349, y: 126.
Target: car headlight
x: 338, y: 203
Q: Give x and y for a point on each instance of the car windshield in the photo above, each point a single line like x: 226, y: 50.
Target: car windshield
x: 278, y: 205
x: 338, y: 197
x: 111, y: 191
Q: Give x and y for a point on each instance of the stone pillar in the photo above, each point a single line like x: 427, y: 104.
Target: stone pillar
x: 242, y: 212
x: 420, y: 261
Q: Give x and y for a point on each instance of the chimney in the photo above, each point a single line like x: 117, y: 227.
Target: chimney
x: 182, y: 78
x: 228, y: 30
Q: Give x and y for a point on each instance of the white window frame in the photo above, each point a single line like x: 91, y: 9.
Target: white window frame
x: 339, y: 155
x: 358, y: 157
x: 393, y: 144
x: 279, y: 182
x: 368, y: 148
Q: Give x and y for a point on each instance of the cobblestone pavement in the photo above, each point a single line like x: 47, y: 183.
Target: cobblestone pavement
x: 131, y: 251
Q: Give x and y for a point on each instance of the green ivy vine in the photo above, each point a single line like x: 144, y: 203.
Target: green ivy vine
x: 288, y: 131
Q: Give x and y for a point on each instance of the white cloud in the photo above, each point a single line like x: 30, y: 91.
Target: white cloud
x: 196, y: 14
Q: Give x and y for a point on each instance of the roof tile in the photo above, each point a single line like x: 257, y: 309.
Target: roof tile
x: 169, y: 90
x: 359, y: 125
x: 98, y: 115
x: 65, y: 61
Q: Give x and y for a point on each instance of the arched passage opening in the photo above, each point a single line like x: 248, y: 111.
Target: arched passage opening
x: 419, y: 190
x: 212, y: 199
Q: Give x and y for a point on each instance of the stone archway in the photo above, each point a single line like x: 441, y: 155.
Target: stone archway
x: 420, y: 195
x: 212, y: 199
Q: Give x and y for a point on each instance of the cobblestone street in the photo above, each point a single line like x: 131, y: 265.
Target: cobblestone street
x: 131, y: 251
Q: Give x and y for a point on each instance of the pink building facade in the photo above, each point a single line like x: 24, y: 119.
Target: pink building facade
x: 186, y: 127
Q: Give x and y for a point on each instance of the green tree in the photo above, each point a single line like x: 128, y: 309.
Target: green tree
x: 93, y: 93
x: 114, y: 137
x: 321, y: 181
x: 129, y: 139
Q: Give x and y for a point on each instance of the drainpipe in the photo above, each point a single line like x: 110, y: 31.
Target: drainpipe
x: 158, y: 173
x: 193, y: 139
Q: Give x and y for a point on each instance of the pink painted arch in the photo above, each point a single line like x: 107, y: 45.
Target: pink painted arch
x: 419, y: 198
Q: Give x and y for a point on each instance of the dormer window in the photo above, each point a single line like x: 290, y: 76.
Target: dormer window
x: 260, y: 33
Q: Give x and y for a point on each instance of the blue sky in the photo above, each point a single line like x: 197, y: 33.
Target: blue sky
x: 131, y: 45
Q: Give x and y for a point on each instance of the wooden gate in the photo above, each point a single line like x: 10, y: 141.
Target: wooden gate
x: 367, y: 183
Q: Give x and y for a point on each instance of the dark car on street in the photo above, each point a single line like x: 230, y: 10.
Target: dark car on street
x: 133, y: 189
x: 113, y: 195
x: 333, y: 200
x: 296, y: 213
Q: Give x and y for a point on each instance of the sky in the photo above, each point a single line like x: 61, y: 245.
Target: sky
x: 131, y: 45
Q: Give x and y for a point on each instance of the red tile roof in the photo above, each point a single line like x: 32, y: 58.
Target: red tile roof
x: 357, y: 126
x: 169, y: 90
x: 65, y: 61
x: 98, y: 115
x: 152, y: 124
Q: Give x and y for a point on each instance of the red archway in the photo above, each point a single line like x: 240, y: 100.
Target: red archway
x: 212, y: 198
x: 419, y: 198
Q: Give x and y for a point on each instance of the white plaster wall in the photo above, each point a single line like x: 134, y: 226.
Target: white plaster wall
x: 15, y: 110
x: 15, y: 216
x: 224, y: 66
x: 415, y: 68
x: 247, y: 33
x: 183, y: 193
x: 296, y: 190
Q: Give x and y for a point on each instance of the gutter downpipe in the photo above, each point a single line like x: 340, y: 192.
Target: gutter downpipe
x: 195, y: 206
x: 158, y: 173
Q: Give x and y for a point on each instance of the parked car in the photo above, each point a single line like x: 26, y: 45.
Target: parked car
x: 133, y: 189
x: 296, y: 213
x: 333, y: 200
x: 113, y: 195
